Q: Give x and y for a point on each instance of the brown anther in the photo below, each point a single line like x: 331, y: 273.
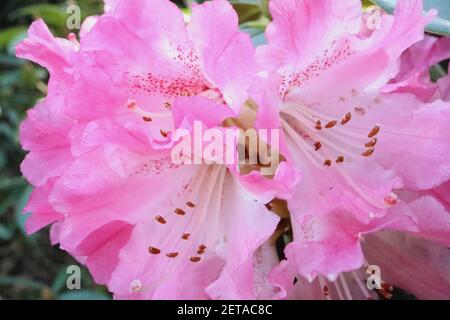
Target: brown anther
x: 371, y: 143
x: 327, y: 163
x: 374, y: 132
x: 318, y: 125
x: 368, y: 152
x: 330, y: 124
x: 200, y: 251
x: 360, y: 111
x: 340, y: 159
x: 171, y: 254
x: 385, y: 294
x: 317, y: 145
x: 190, y: 204
x: 195, y: 258
x: 387, y: 287
x: 131, y: 104
x: 347, y: 118
x: 180, y: 212
x: 164, y: 133
x: 154, y: 250
x: 185, y: 236
x: 160, y: 219
x: 167, y: 105
x: 147, y: 119
x: 325, y: 291
x: 202, y: 247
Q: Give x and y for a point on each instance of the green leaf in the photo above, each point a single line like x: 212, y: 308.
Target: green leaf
x: 247, y: 10
x: 54, y: 15
x: 21, y: 282
x: 9, y: 34
x: 5, y: 233
x: 20, y: 216
x: 83, y: 295
x: 440, y: 25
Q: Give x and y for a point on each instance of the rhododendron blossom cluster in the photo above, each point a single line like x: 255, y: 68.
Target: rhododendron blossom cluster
x: 358, y: 174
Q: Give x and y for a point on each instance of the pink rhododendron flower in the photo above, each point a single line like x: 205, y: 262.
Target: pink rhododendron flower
x: 414, y: 75
x: 100, y: 153
x: 370, y: 161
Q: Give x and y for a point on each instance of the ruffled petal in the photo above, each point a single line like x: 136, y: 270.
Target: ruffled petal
x: 214, y: 30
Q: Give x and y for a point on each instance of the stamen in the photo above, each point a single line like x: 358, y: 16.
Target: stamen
x: 324, y: 287
x: 135, y: 286
x: 368, y: 152
x: 344, y: 284
x: 338, y: 289
x: 330, y: 124
x: 340, y: 159
x: 154, y: 250
x: 167, y: 106
x: 160, y: 219
x: 190, y: 204
x: 185, y: 236
x: 391, y: 199
x: 195, y: 258
x: 318, y: 125
x: 373, y: 132
x: 347, y: 118
x: 163, y: 133
x: 371, y: 143
x: 171, y: 254
x: 327, y: 163
x: 180, y: 212
x: 360, y: 111
x: 146, y: 116
x: 360, y: 285
x: 317, y: 145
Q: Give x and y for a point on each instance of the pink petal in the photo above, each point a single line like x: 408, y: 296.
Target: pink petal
x: 214, y: 30
x: 417, y: 266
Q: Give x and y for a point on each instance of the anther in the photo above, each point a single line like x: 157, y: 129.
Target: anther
x: 154, y: 250
x: 330, y: 124
x: 180, y: 212
x: 347, y: 118
x: 185, y: 236
x: 371, y: 143
x: 391, y: 199
x: 164, y: 133
x: 160, y: 219
x: 195, y: 258
x: 327, y: 163
x: 325, y: 291
x: 131, y: 104
x: 318, y: 125
x: 201, y: 249
x: 147, y: 119
x: 374, y: 132
x: 171, y: 254
x: 340, y: 159
x: 317, y: 145
x: 167, y: 105
x: 368, y: 152
x: 190, y: 204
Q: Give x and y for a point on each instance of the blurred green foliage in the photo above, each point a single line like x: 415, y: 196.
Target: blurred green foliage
x: 30, y: 268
